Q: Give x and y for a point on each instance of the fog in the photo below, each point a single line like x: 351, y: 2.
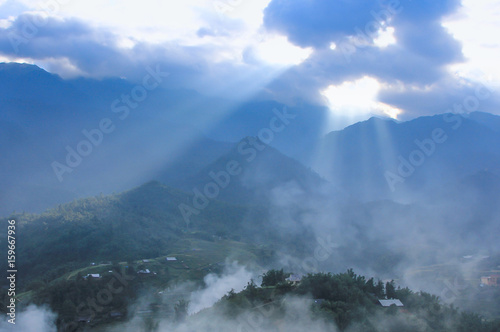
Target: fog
x: 387, y: 239
x: 243, y: 136
x: 235, y: 278
x: 383, y: 239
x: 31, y: 319
x: 416, y: 202
x: 437, y: 241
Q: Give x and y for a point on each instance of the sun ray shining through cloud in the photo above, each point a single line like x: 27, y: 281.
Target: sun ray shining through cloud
x: 326, y: 132
x: 278, y: 51
x: 358, y: 98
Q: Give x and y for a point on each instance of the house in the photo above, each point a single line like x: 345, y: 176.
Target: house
x: 492, y: 280
x: 144, y: 272
x: 94, y: 275
x: 171, y: 259
x: 388, y: 303
x: 145, y: 260
x: 294, y: 278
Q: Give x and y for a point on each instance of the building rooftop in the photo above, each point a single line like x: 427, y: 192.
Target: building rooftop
x: 294, y: 277
x: 388, y: 303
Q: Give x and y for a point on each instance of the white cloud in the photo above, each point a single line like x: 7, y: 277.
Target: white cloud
x: 477, y: 25
x: 219, y: 34
x: 385, y: 37
x: 156, y: 21
x: 32, y: 319
x: 5, y: 23
x: 233, y: 26
x: 277, y: 50
x: 354, y: 98
x: 235, y: 277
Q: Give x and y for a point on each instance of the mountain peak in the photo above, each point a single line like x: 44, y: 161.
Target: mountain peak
x: 16, y: 68
x: 372, y: 123
x: 23, y: 78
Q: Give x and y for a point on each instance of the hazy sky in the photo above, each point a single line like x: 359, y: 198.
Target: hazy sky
x: 400, y: 58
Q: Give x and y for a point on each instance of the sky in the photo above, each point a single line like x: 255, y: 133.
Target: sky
x: 395, y: 58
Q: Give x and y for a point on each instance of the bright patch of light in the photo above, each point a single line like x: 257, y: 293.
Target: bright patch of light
x: 16, y: 59
x: 6, y: 23
x: 388, y: 110
x: 62, y: 66
x: 357, y: 98
x: 236, y: 26
x: 476, y: 26
x: 333, y: 46
x: 278, y: 51
x: 126, y: 43
x: 385, y: 37
x: 250, y: 12
x: 158, y: 21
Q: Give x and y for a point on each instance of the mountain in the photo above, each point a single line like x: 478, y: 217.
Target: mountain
x: 381, y: 158
x: 258, y: 173
x: 334, y: 302
x: 489, y: 120
x: 139, y: 223
x: 46, y: 121
x: 476, y: 200
x: 54, y: 149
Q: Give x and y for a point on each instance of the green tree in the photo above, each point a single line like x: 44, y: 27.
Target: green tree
x: 470, y: 322
x: 273, y: 278
x: 390, y: 290
x: 251, y: 290
x: 379, y: 290
x: 68, y: 311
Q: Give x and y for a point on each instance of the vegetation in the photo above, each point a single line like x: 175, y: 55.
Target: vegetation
x: 351, y: 302
x: 274, y: 277
x: 121, y: 235
x: 144, y: 222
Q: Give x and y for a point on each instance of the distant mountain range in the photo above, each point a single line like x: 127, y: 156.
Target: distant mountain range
x: 384, y: 159
x: 256, y: 180
x: 44, y: 120
x: 259, y: 169
x: 170, y: 136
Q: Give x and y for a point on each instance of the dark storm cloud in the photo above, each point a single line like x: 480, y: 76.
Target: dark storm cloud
x: 317, y: 23
x: 31, y: 36
x: 95, y: 52
x: 419, y: 59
